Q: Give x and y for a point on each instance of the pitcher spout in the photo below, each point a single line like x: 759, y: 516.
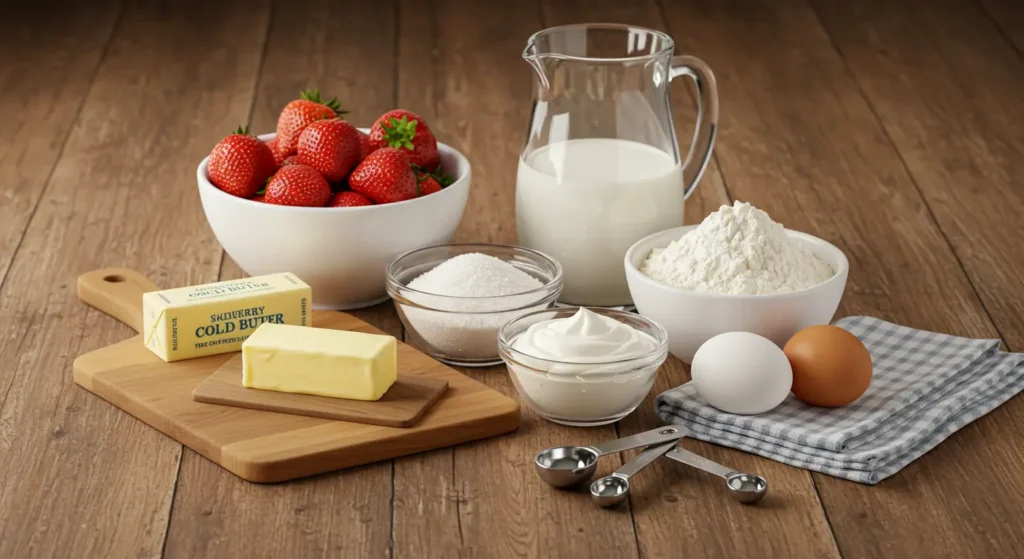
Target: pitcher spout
x: 533, y: 58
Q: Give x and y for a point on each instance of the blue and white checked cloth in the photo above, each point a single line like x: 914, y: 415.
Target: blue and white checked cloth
x: 924, y: 388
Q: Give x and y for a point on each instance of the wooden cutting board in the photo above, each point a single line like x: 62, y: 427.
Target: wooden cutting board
x: 262, y: 446
x: 402, y: 405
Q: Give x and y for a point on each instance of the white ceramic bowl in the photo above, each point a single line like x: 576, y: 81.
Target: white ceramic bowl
x: 691, y: 318
x: 342, y: 253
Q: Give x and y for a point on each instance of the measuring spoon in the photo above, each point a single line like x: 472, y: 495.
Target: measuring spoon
x: 745, y: 488
x: 613, y: 489
x: 568, y: 466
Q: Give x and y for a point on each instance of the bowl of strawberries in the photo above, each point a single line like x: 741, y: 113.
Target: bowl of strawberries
x: 332, y: 203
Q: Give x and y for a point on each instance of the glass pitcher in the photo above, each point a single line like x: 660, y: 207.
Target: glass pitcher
x: 600, y: 168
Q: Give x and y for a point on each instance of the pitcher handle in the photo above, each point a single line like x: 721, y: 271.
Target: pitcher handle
x: 707, y: 112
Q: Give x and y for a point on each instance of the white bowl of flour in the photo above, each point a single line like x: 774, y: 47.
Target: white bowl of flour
x: 736, y: 271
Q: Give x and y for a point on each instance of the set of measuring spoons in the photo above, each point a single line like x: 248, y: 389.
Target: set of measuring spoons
x: 570, y: 466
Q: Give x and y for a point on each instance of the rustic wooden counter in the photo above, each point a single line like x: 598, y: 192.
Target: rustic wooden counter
x: 892, y: 129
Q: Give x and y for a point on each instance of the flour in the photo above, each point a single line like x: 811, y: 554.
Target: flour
x: 467, y: 299
x: 739, y: 250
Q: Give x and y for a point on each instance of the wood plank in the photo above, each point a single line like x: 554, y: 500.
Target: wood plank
x: 484, y: 499
x: 346, y: 514
x: 661, y: 496
x: 807, y: 147
x: 40, y: 101
x: 960, y: 139
x: 80, y: 474
x: 1008, y: 17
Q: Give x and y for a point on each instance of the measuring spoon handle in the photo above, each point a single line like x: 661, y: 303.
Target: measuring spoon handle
x: 647, y: 438
x: 680, y: 454
x: 642, y: 460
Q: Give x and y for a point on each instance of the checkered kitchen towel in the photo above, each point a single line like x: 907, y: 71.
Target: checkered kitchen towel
x: 924, y: 388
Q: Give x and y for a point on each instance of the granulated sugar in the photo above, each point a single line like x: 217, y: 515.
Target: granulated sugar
x: 468, y: 328
x: 475, y: 275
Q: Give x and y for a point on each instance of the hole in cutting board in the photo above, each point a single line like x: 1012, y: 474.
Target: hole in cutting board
x: 113, y: 278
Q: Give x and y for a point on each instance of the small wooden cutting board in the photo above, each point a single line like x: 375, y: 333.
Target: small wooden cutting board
x: 263, y: 446
x: 401, y: 406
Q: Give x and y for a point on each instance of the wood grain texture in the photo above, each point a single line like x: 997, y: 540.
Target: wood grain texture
x: 782, y: 151
x: 50, y: 54
x: 943, y: 86
x: 1008, y: 17
x: 401, y: 406
x: 80, y: 476
x: 345, y: 51
x: 891, y: 129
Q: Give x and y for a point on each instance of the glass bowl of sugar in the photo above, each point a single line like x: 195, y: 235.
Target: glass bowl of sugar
x: 454, y: 298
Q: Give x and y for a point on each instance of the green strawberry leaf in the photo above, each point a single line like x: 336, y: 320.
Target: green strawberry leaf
x: 399, y: 132
x: 243, y: 130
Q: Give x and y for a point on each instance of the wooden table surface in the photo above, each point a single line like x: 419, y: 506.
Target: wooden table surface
x: 892, y: 129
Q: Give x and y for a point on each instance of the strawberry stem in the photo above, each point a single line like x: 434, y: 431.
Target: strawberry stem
x: 314, y: 96
x: 399, y: 132
x: 243, y: 130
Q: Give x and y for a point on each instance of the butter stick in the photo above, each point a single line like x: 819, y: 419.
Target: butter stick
x: 203, y: 320
x: 320, y: 361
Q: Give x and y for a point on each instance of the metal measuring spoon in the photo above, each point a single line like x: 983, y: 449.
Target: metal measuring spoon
x: 568, y: 466
x: 745, y: 488
x: 613, y: 489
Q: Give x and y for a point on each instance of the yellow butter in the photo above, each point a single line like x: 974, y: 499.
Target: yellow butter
x: 217, y: 317
x: 320, y: 361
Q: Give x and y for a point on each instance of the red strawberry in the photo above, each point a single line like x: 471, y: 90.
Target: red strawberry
x: 331, y: 147
x: 364, y: 145
x: 384, y: 176
x: 298, y: 185
x: 291, y: 160
x: 349, y: 199
x: 260, y: 198
x: 405, y: 130
x: 429, y: 183
x: 279, y: 156
x: 299, y: 114
x: 240, y: 164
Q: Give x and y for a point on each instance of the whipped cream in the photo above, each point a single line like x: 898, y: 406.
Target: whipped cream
x: 585, y: 337
x: 586, y: 369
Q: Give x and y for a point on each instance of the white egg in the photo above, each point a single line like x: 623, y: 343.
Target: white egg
x: 742, y: 373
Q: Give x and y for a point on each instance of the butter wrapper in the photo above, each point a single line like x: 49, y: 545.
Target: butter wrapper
x: 202, y: 320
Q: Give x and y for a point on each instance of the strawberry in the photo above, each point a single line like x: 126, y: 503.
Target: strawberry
x: 384, y: 176
x: 364, y: 145
x: 290, y: 160
x: 299, y: 114
x: 407, y: 131
x: 279, y: 156
x: 429, y: 183
x: 349, y: 199
x: 331, y: 147
x: 298, y: 185
x: 240, y: 164
x: 260, y: 198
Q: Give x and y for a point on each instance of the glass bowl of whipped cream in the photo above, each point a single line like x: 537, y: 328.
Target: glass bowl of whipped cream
x: 583, y: 367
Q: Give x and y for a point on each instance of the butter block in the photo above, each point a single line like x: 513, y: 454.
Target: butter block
x: 320, y: 361
x: 217, y: 317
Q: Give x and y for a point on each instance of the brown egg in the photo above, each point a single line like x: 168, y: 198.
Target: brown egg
x: 831, y: 367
